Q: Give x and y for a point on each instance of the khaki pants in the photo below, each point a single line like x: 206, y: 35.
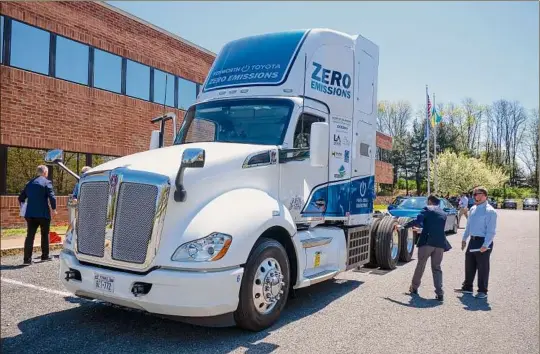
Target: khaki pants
x: 436, y: 255
x: 463, y: 211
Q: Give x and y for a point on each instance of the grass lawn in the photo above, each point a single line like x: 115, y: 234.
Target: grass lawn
x: 11, y: 232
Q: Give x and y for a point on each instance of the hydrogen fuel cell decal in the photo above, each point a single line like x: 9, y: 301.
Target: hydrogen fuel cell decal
x: 340, y: 148
x: 257, y: 60
x: 341, y: 198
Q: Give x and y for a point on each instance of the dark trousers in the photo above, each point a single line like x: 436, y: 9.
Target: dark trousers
x: 477, y: 261
x: 33, y: 224
x: 436, y: 255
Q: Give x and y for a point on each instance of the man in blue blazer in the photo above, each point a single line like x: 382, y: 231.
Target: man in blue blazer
x: 38, y: 193
x: 432, y: 243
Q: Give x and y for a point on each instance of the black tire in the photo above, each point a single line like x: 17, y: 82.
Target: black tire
x: 246, y: 316
x: 404, y: 254
x: 383, y: 243
x: 373, y: 234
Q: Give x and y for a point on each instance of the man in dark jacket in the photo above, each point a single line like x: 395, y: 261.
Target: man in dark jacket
x: 38, y: 193
x: 432, y: 244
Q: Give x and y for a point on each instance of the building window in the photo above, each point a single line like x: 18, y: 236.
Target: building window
x: 30, y: 48
x: 138, y: 80
x: 21, y: 167
x: 107, y: 71
x: 71, y: 60
x: 187, y: 93
x: 383, y: 155
x: 63, y: 182
x: 1, y: 39
x: 101, y: 159
x: 159, y: 88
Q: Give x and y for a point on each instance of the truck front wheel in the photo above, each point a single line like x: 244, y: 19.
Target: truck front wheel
x: 265, y: 286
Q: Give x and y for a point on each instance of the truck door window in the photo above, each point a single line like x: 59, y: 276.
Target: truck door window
x: 302, y: 134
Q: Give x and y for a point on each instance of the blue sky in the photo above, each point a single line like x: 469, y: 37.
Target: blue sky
x: 484, y: 50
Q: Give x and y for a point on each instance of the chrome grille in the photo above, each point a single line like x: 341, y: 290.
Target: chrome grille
x: 134, y: 221
x: 92, y: 217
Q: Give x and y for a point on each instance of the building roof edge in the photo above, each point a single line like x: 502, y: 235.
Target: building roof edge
x: 159, y: 29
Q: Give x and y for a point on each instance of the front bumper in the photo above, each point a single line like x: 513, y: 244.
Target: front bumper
x: 530, y: 206
x: 173, y: 292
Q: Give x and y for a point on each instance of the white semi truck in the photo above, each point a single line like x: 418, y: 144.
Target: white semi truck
x: 268, y: 187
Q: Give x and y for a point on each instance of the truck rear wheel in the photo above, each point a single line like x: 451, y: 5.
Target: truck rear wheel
x: 407, y: 241
x: 373, y: 234
x: 387, y: 244
x: 265, y: 286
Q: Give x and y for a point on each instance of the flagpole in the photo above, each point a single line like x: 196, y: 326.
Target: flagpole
x: 427, y: 149
x: 435, y: 149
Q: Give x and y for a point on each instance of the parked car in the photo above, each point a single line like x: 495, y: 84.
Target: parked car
x: 530, y: 203
x: 509, y: 204
x: 454, y: 201
x: 411, y: 206
x: 397, y: 201
x: 493, y: 203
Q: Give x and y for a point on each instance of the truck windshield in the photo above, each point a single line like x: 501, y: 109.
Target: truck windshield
x: 246, y: 121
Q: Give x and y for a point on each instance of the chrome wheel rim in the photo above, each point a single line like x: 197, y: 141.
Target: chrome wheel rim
x: 267, y: 286
x: 410, y: 240
x: 394, y: 244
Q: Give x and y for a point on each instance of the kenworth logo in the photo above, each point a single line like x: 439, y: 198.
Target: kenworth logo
x: 331, y: 82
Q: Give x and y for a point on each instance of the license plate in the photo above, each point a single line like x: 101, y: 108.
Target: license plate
x: 104, y: 282
x: 317, y: 261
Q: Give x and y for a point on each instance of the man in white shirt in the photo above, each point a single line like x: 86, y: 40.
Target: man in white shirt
x: 463, y: 208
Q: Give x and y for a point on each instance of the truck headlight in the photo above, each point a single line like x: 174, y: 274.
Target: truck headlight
x: 209, y: 248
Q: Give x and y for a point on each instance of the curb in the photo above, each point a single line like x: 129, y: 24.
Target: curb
x: 13, y: 251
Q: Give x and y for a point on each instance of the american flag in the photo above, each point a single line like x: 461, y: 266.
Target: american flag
x: 428, y: 106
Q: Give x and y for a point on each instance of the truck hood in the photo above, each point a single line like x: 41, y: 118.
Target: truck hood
x: 166, y: 161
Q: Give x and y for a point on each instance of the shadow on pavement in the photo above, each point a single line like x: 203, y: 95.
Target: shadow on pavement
x: 96, y: 328
x: 417, y: 302
x: 379, y: 271
x: 473, y: 304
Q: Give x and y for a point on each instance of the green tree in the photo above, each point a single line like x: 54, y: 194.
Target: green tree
x: 460, y: 173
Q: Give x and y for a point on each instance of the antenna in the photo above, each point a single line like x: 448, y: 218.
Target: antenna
x: 303, y: 98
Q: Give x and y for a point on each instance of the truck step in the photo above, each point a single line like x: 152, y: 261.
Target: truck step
x: 322, y: 276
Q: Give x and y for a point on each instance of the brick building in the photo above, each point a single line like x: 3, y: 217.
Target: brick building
x: 87, y: 77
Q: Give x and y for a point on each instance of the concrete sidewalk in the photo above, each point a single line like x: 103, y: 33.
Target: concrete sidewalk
x: 13, y: 245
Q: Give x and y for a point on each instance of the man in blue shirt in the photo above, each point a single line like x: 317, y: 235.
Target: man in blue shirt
x: 432, y: 244
x: 481, y: 226
x: 76, y: 188
x: 37, y: 194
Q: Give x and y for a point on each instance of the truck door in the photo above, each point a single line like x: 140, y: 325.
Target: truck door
x: 302, y: 186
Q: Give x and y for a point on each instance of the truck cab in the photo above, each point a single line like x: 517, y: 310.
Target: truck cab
x: 268, y: 187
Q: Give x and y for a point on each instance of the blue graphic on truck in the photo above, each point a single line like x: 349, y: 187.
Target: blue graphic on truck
x: 254, y: 61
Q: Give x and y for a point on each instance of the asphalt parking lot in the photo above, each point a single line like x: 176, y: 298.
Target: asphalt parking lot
x: 360, y: 312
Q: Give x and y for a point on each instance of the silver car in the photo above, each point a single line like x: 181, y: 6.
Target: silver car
x: 530, y: 203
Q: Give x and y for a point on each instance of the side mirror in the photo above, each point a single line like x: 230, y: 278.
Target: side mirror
x: 319, y: 144
x: 390, y: 207
x: 191, y: 158
x: 57, y: 157
x: 154, y: 139
x: 54, y: 156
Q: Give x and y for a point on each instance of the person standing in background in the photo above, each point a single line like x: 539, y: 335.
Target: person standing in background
x: 76, y: 188
x: 463, y: 207
x: 481, y: 226
x: 37, y: 194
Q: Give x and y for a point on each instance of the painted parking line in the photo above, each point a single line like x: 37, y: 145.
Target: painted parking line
x: 35, y: 287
